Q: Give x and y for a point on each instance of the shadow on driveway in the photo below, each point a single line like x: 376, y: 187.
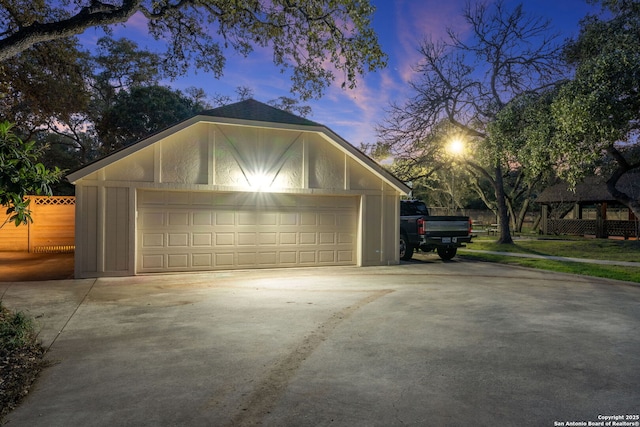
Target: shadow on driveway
x: 28, y: 267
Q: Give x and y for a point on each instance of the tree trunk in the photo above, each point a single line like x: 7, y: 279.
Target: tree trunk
x: 503, y: 213
x: 510, y: 212
x: 525, y: 205
x: 522, y: 214
x: 536, y: 222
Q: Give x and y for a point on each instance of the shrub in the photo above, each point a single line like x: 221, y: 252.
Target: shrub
x: 21, y: 358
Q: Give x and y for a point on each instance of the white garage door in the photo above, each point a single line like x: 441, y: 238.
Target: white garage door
x: 188, y: 231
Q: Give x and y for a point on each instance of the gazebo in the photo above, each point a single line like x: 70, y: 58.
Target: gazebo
x: 589, y: 209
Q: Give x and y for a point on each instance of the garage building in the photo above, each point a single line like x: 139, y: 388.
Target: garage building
x: 237, y: 187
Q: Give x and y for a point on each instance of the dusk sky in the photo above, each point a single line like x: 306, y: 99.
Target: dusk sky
x: 401, y: 26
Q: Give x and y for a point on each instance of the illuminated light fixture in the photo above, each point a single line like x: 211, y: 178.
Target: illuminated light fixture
x: 259, y: 181
x: 456, y: 147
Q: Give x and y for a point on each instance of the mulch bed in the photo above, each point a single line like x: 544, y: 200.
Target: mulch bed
x: 19, y: 367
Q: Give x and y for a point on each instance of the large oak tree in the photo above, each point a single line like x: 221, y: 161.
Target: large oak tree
x: 463, y: 83
x: 317, y: 40
x: 598, y: 112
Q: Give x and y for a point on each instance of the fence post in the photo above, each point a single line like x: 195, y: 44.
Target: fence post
x: 601, y: 221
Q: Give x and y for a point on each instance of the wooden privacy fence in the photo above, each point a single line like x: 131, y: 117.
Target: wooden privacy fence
x: 52, y: 229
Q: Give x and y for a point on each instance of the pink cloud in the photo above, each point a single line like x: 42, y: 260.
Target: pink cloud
x: 416, y: 21
x: 138, y: 23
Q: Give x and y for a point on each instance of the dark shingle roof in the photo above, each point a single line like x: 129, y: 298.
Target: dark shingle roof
x: 592, y: 189
x: 251, y: 109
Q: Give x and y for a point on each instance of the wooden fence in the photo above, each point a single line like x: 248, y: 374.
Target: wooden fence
x: 52, y: 229
x: 598, y: 228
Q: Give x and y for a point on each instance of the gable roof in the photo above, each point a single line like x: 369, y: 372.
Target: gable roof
x: 251, y: 113
x: 253, y: 110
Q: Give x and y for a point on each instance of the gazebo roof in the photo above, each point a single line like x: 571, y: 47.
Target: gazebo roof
x: 591, y: 190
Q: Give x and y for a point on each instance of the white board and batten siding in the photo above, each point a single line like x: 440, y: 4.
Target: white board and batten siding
x: 212, y: 194
x: 104, y: 223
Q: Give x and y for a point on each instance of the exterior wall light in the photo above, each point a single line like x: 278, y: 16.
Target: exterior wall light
x: 259, y: 181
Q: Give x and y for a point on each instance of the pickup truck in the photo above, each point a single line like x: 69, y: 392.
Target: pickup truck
x: 419, y: 230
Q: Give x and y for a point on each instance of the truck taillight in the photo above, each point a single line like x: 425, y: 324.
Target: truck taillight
x: 470, y: 225
x: 421, y: 226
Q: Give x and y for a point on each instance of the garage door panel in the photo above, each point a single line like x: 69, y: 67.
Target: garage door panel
x: 346, y: 239
x: 177, y: 219
x: 224, y: 260
x: 153, y: 219
x: 307, y: 257
x: 225, y: 218
x: 288, y: 238
x: 327, y: 219
x: 178, y: 198
x: 307, y: 238
x: 346, y: 221
x: 202, y: 218
x: 268, y: 218
x: 287, y: 258
x: 345, y: 256
x: 308, y: 219
x: 178, y: 261
x: 151, y: 198
x: 178, y: 239
x: 269, y: 238
x: 267, y: 259
x: 327, y: 238
x: 247, y: 218
x: 327, y: 257
x: 246, y: 239
x: 153, y: 240
x: 246, y: 259
x: 202, y: 239
x: 202, y: 198
x: 152, y: 262
x: 195, y: 235
x: 202, y: 260
x: 225, y: 239
x: 288, y: 219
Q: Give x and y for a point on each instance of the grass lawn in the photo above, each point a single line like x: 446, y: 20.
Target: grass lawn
x: 614, y: 250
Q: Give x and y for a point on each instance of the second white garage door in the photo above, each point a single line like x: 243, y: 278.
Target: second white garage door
x: 189, y: 231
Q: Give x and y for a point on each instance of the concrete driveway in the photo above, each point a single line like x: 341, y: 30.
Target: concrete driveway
x: 423, y: 343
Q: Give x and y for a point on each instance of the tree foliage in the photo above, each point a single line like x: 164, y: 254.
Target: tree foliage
x: 44, y: 84
x: 21, y: 174
x: 115, y: 99
x: 525, y: 129
x: 598, y: 112
x: 141, y: 111
x: 290, y: 105
x: 464, y: 83
x: 304, y: 36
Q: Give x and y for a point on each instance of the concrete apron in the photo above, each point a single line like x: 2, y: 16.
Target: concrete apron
x: 423, y: 343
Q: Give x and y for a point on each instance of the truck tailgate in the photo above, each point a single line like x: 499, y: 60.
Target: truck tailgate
x: 439, y: 226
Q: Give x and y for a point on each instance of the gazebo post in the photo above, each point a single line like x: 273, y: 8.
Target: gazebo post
x: 545, y: 219
x: 601, y: 220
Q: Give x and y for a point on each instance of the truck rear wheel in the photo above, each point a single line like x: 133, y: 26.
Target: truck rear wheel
x: 447, y: 253
x: 406, y: 250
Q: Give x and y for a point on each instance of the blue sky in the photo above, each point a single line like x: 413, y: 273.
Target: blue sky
x: 353, y: 114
